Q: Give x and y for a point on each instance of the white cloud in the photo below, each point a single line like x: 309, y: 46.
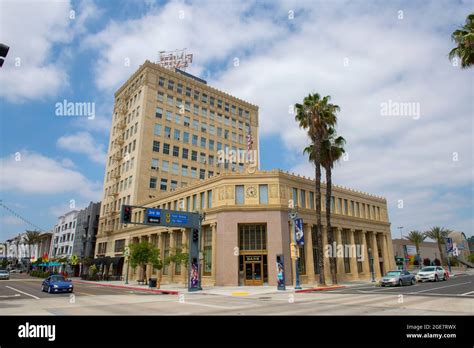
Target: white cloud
x: 83, y: 143
x: 38, y: 174
x: 12, y: 220
x: 35, y: 67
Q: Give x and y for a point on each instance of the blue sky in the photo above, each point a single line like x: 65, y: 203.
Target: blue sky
x: 363, y: 54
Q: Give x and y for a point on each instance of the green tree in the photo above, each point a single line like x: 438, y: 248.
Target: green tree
x: 438, y: 234
x: 316, y: 115
x: 144, y: 253
x: 416, y: 237
x: 332, y: 150
x: 464, y: 39
x: 178, y: 256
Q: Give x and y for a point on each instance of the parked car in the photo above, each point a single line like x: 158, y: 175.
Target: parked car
x: 4, y: 274
x: 431, y: 273
x: 15, y: 270
x: 399, y: 278
x: 57, y: 283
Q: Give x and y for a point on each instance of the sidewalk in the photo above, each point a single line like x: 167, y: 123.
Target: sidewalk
x: 175, y: 289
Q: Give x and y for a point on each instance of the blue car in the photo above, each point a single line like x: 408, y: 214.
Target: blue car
x: 57, y: 283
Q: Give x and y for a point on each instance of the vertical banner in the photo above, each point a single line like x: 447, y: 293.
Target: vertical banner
x: 449, y: 245
x: 194, y: 275
x: 280, y: 264
x: 299, y: 231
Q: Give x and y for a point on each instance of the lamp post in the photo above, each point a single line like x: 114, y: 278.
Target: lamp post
x: 401, y: 231
x: 371, y: 259
x: 293, y: 215
x: 127, y: 255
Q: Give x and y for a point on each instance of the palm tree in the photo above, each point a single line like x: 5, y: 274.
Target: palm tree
x: 438, y: 234
x: 316, y: 115
x: 416, y: 237
x: 32, y: 237
x: 464, y: 38
x: 331, y: 152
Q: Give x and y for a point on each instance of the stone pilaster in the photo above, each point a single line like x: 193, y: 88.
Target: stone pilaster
x: 214, y: 250
x: 365, y: 261
x: 340, y: 271
x: 308, y: 242
x: 375, y: 254
x: 353, y: 258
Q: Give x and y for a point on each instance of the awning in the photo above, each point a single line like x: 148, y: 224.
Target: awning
x: 116, y: 261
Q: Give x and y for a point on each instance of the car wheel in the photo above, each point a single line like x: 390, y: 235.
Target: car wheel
x: 436, y: 278
x: 413, y: 281
x: 382, y: 285
x: 444, y: 277
x: 42, y: 288
x: 400, y: 283
x: 49, y: 289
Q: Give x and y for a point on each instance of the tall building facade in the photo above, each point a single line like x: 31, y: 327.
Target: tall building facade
x: 87, y: 225
x: 167, y: 132
x: 63, y: 235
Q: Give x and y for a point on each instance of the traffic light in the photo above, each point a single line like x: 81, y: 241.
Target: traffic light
x: 3, y: 53
x: 195, y: 235
x: 126, y: 214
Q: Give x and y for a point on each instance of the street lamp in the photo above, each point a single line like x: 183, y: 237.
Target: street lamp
x: 127, y: 255
x: 401, y: 231
x: 293, y: 216
x: 371, y: 259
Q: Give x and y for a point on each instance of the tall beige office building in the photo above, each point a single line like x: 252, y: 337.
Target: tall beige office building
x: 167, y: 129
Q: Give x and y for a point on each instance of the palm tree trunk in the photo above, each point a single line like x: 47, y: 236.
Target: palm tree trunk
x: 317, y: 162
x: 441, y: 256
x: 330, y: 232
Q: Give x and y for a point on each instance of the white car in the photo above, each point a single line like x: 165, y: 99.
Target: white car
x: 431, y: 273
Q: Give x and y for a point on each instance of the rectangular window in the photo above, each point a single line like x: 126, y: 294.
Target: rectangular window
x: 161, y: 82
x: 177, y: 134
x: 303, y: 198
x: 209, y: 199
x: 345, y: 241
x: 194, y: 155
x: 346, y: 211
x: 157, y: 130
x: 194, y: 202
x: 154, y: 164
x: 195, y: 139
x: 165, y: 166
x: 153, y: 182
x: 179, y: 88
x: 167, y: 132
x: 177, y: 119
x: 156, y: 146
x: 166, y: 149
x: 164, y: 184
x: 175, y: 168
x: 119, y: 245
x: 186, y: 137
x: 159, y: 113
x: 184, y: 170
x: 352, y: 208
x: 211, y: 144
x: 169, y: 100
x: 263, y: 194
x: 160, y: 96
x: 169, y: 115
x: 252, y: 236
x: 193, y: 172
x: 239, y: 194
x: 188, y: 91
x: 295, y: 196
x: 174, y: 183
x: 207, y: 250
x: 185, y: 153
x: 175, y: 151
x: 203, y: 142
x: 311, y: 200
x: 170, y: 85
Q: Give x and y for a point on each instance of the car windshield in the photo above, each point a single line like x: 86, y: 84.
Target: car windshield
x: 3, y: 271
x: 428, y: 269
x: 393, y: 273
x: 57, y: 279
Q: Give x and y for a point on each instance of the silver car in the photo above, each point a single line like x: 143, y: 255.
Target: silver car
x: 399, y: 278
x: 4, y: 274
x: 431, y: 273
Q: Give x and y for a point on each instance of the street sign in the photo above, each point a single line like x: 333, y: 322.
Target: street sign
x: 172, y: 218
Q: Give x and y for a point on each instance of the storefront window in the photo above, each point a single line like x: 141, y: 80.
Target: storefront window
x: 207, y: 250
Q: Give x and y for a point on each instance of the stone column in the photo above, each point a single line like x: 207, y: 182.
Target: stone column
x: 365, y: 261
x: 388, y: 241
x: 327, y: 269
x: 184, y: 266
x: 375, y: 254
x: 214, y: 251
x: 308, y: 242
x: 353, y: 258
x: 160, y: 246
x: 339, y: 259
x: 386, y: 259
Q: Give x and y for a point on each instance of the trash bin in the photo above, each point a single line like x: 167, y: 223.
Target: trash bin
x: 152, y: 282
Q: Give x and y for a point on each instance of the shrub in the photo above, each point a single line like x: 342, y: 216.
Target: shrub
x: 426, y: 262
x: 454, y: 262
x: 471, y: 257
x: 437, y: 262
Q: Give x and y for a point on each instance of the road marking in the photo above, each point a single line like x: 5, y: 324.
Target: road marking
x: 467, y: 293
x: 84, y: 293
x: 8, y: 296
x: 440, y: 287
x: 209, y: 305
x: 22, y: 292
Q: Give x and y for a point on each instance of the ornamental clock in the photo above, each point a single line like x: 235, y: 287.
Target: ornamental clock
x: 251, y: 192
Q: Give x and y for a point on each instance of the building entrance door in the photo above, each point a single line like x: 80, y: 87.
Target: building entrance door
x: 253, y: 266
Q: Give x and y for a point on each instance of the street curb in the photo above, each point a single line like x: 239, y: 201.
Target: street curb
x: 322, y: 289
x: 157, y: 291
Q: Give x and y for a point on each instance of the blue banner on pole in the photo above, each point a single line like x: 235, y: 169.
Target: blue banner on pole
x: 299, y: 231
x: 449, y: 245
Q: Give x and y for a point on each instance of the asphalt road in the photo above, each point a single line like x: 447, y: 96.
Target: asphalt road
x: 22, y: 295
x: 460, y: 286
x: 21, y: 286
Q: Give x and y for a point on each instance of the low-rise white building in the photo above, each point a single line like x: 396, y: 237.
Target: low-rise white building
x: 63, y: 235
